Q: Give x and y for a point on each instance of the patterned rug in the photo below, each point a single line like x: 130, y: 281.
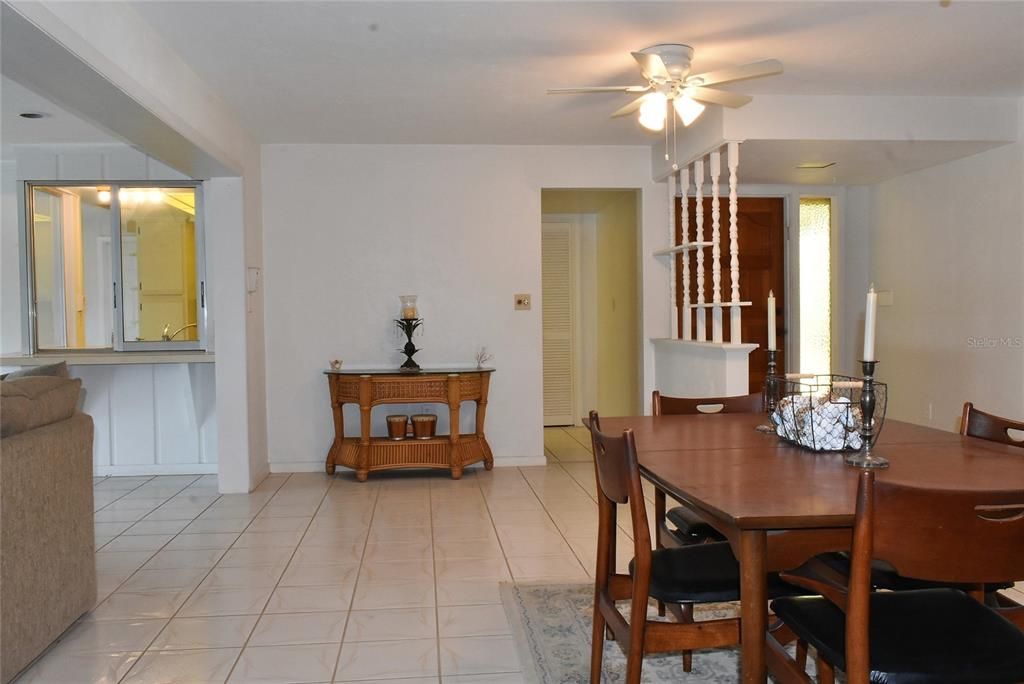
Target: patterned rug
x: 552, y: 625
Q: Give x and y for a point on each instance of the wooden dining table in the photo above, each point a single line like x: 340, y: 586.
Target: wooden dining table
x: 778, y: 504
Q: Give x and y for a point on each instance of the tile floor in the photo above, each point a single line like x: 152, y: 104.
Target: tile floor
x: 311, y: 579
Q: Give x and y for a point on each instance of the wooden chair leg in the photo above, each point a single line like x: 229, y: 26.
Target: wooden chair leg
x: 597, y: 645
x: 801, y: 654
x: 688, y: 619
x: 826, y: 675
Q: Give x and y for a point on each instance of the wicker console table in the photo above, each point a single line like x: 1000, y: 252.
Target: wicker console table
x: 368, y: 388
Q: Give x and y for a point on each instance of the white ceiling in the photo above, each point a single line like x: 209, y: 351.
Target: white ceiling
x: 476, y: 72
x: 59, y: 127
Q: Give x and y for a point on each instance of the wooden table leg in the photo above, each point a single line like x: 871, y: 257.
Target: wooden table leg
x: 753, y: 606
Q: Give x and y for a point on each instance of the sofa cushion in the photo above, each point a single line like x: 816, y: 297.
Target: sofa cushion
x: 31, y: 402
x: 57, y: 370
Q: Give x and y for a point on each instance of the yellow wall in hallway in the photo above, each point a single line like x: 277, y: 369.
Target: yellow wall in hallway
x: 617, y: 299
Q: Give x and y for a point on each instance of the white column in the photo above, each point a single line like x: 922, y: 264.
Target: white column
x: 698, y: 182
x: 716, y: 248
x: 684, y: 219
x: 673, y: 305
x: 735, y: 322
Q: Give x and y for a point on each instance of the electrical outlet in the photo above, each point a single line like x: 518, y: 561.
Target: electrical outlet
x: 522, y: 302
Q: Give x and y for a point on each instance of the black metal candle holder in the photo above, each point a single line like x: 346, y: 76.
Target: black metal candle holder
x: 771, y: 392
x: 771, y: 383
x: 865, y: 458
x: 409, y: 326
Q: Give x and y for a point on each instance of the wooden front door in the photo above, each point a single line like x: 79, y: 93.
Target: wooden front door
x: 762, y: 240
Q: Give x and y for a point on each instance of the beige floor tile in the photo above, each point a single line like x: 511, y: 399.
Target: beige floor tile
x: 472, y: 568
x: 194, y: 667
x: 298, y: 524
x: 293, y: 664
x: 306, y: 575
x: 384, y: 660
x: 503, y: 678
x: 397, y: 534
x: 457, y: 548
x: 213, y: 601
x: 141, y: 542
x: 396, y: 570
x: 95, y: 668
x: 546, y: 567
x: 203, y: 541
x: 299, y: 628
x: 467, y: 592
x: 398, y: 551
x: 310, y: 599
x: 151, y: 604
x: 271, y: 540
x: 254, y: 576
x: 236, y: 558
x: 391, y: 624
x: 478, y: 655
x: 169, y: 559
x: 177, y: 578
x: 216, y: 525
x: 322, y: 537
x: 342, y: 553
x: 89, y: 636
x: 205, y: 632
x: 485, y: 620
x: 394, y: 594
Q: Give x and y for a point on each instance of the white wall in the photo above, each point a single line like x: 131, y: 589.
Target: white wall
x: 349, y: 228
x: 949, y: 242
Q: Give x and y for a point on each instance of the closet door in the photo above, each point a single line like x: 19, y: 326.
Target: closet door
x: 558, y: 283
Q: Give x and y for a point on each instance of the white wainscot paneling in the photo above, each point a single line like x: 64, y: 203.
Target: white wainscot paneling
x: 151, y: 419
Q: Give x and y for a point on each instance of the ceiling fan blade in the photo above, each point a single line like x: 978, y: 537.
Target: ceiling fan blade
x: 719, y: 97
x: 631, y: 107
x: 651, y: 66
x: 767, y: 67
x: 599, y: 89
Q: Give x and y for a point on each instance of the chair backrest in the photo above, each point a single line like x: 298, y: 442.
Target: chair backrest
x: 618, y: 482
x: 679, y: 406
x: 977, y: 423
x: 943, y: 535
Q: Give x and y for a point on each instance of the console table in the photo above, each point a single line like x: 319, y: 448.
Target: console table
x: 368, y: 388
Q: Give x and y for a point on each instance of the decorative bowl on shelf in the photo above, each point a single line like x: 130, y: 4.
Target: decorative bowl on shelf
x: 424, y: 425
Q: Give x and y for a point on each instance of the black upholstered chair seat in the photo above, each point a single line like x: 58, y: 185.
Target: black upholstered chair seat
x: 702, y: 573
x: 928, y: 636
x: 690, y: 529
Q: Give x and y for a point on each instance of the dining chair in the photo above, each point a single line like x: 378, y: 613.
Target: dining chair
x: 925, y: 636
x: 975, y: 423
x: 689, y: 527
x: 695, y: 574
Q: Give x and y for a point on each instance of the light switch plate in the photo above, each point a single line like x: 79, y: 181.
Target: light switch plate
x: 522, y: 302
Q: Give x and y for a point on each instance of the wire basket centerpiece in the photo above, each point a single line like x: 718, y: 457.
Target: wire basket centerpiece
x: 823, y: 412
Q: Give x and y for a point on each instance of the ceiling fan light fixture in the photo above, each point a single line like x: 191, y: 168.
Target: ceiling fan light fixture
x: 688, y: 109
x: 653, y: 111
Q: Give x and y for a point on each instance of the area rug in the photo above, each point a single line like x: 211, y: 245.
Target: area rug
x: 552, y: 626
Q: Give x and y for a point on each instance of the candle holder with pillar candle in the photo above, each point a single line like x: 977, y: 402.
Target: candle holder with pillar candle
x: 865, y: 458
x: 408, y: 324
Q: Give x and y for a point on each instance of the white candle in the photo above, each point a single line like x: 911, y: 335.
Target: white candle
x: 870, y: 314
x: 771, y: 320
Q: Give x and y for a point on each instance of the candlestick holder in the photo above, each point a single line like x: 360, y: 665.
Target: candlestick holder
x: 409, y: 326
x: 771, y: 391
x: 866, y: 458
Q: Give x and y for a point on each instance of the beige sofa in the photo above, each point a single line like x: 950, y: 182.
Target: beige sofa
x: 47, y: 565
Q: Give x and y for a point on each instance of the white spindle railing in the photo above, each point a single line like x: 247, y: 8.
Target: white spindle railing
x: 679, y: 190
x: 698, y: 184
x: 684, y: 206
x: 715, y: 159
x: 672, y: 261
x: 735, y: 312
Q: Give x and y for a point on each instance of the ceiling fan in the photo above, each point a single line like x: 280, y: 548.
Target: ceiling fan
x: 667, y: 70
